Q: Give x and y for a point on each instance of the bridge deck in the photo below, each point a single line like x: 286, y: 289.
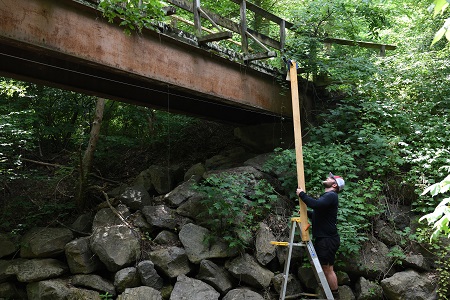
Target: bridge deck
x: 68, y: 45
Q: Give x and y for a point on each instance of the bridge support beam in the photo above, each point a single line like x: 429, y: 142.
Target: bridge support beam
x: 68, y: 45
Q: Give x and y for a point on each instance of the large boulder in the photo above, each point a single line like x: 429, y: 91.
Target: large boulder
x: 149, y: 276
x: 160, y: 216
x: 93, y: 282
x: 368, y: 290
x: 40, y: 269
x: 216, y: 276
x: 9, y: 269
x: 40, y: 242
x: 80, y: 258
x: 181, y: 193
x: 193, y: 238
x: 239, y: 294
x: 126, y: 278
x: 171, y: 261
x: 58, y: 289
x: 409, y: 285
x: 107, y: 217
x: 293, y: 286
x: 246, y: 269
x: 136, y: 197
x: 265, y: 251
x: 140, y: 293
x: 116, y: 246
x: 193, y: 289
x: 7, y: 245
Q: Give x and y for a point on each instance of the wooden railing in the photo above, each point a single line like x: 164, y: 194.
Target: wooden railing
x: 225, y: 28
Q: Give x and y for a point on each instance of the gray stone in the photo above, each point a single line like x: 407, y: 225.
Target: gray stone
x: 246, y: 269
x: 409, y: 285
x: 10, y: 268
x: 140, y: 293
x: 80, y: 258
x: 239, y: 294
x: 167, y: 238
x: 265, y: 251
x: 138, y: 220
x: 58, y: 289
x: 193, y: 208
x: 368, y: 290
x: 83, y: 223
x: 148, y: 275
x: 307, y: 277
x: 416, y: 262
x: 94, y: 282
x: 216, y: 276
x: 293, y: 286
x: 160, y: 216
x: 144, y: 179
x: 195, y: 172
x: 180, y: 194
x: 193, y: 289
x: 172, y: 261
x: 40, y: 269
x: 126, y: 278
x: 163, y: 178
x: 193, y: 239
x: 116, y: 246
x: 106, y: 217
x: 136, y: 197
x: 40, y: 242
x: 7, y: 245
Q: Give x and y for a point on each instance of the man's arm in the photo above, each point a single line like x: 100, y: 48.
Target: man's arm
x: 323, y: 201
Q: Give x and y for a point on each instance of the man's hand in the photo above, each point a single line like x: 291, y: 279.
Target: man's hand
x: 299, y: 190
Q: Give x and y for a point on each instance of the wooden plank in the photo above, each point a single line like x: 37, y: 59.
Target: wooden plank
x: 358, y: 43
x: 261, y: 55
x: 215, y: 37
x: 298, y: 148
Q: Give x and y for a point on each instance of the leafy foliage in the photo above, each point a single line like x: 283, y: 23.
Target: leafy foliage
x: 234, y: 208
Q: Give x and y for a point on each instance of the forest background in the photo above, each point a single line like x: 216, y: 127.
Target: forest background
x: 383, y: 122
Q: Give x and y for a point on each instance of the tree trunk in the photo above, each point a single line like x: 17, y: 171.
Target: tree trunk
x: 88, y: 158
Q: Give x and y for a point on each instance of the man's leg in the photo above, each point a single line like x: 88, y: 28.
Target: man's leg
x: 331, y: 276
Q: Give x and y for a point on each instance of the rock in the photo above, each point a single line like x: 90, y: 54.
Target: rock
x: 307, y: 277
x: 172, y: 261
x: 160, y: 216
x: 140, y: 293
x: 386, y: 233
x: 106, y: 217
x: 7, y: 245
x: 265, y: 251
x: 416, y: 262
x: 216, y: 276
x: 80, y: 258
x: 9, y: 290
x: 239, y: 294
x: 373, y: 261
x: 193, y: 239
x: 227, y: 159
x: 83, y: 223
x: 368, y: 290
x: 40, y: 269
x: 193, y: 289
x: 58, y: 289
x: 167, y: 238
x: 246, y: 269
x: 138, y: 220
x: 40, y: 242
x: 163, y: 178
x: 9, y: 269
x: 293, y: 285
x: 193, y: 208
x: 136, y: 197
x: 144, y: 179
x: 148, y: 275
x: 409, y: 285
x: 346, y: 293
x: 126, y: 278
x: 180, y: 194
x: 94, y: 282
x: 116, y: 246
x: 195, y: 172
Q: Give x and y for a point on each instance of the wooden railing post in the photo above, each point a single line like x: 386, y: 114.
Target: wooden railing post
x: 244, y: 40
x: 197, y: 18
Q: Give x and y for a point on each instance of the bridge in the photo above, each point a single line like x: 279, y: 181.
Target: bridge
x: 68, y: 44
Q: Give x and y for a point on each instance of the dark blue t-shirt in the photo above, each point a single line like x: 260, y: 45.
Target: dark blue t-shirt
x: 324, y: 215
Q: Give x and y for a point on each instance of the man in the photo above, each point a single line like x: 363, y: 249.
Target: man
x: 324, y: 229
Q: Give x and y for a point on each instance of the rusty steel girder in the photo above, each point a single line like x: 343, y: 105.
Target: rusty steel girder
x: 65, y: 44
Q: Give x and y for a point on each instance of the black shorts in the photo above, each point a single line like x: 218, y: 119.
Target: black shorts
x: 326, y: 248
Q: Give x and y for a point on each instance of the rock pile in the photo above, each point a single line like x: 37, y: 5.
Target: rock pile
x: 147, y: 247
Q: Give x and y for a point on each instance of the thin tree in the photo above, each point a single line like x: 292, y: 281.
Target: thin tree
x: 88, y: 158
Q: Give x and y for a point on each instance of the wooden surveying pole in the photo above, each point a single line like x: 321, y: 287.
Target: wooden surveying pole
x: 298, y: 148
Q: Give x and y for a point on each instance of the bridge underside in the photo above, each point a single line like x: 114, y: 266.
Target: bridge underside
x: 68, y: 45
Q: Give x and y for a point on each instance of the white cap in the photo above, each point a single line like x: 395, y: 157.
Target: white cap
x: 339, y: 180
